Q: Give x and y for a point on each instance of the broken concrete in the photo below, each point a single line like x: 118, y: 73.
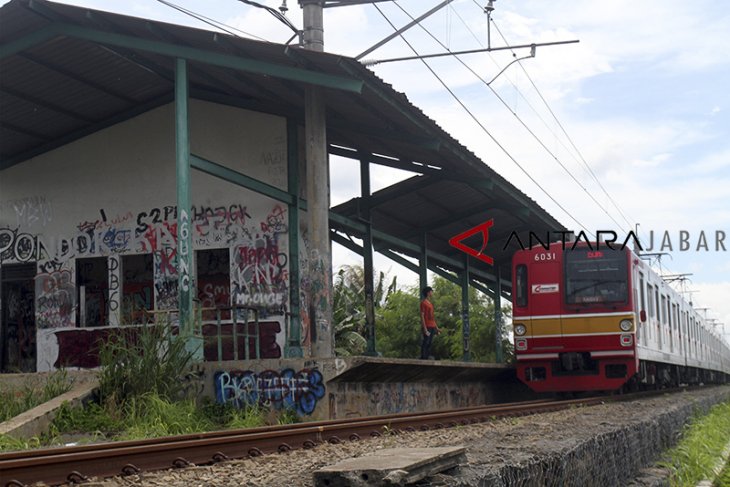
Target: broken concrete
x: 393, y: 466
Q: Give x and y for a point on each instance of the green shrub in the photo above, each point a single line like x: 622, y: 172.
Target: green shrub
x: 137, y: 361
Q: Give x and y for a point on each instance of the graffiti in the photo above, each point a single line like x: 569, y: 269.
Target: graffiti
x: 286, y: 389
x: 276, y: 221
x: 259, y: 274
x: 113, y: 287
x: 56, y: 299
x: 31, y: 211
x: 17, y: 246
x: 184, y: 248
x: 19, y: 333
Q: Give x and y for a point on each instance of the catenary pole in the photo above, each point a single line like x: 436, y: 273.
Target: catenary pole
x: 318, y: 194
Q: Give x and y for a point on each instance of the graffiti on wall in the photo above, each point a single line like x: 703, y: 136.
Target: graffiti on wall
x: 259, y: 267
x: 283, y: 389
x: 258, y: 264
x: 55, y: 299
x: 29, y: 212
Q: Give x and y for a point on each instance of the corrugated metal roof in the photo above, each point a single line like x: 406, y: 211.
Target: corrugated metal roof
x: 66, y: 87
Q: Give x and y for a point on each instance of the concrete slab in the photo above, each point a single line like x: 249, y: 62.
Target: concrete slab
x: 393, y: 466
x: 35, y: 421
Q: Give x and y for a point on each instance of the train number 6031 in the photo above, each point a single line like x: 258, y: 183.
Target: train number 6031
x: 545, y: 256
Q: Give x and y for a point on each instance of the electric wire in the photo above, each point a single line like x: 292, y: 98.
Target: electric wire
x: 517, y: 89
x: 212, y: 22
x: 506, y: 105
x: 476, y: 120
x: 277, y: 15
x: 562, y: 128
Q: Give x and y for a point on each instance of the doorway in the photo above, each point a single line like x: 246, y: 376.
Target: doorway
x: 17, y: 321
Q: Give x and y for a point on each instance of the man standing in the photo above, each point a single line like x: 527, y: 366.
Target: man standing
x: 428, y: 323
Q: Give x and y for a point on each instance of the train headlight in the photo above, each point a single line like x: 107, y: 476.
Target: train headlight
x: 521, y: 344
x: 626, y: 325
x: 520, y: 329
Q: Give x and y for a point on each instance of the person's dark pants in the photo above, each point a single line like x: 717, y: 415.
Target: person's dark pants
x: 426, y: 343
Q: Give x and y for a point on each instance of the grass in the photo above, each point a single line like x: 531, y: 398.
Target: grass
x: 16, y: 401
x: 724, y: 479
x: 142, y: 395
x: 699, y: 449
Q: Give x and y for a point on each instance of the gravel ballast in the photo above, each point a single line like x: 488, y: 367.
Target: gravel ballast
x: 603, y: 445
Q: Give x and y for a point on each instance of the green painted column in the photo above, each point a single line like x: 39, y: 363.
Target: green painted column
x: 294, y: 340
x: 498, y: 314
x: 423, y: 263
x: 367, y: 246
x: 465, y: 325
x: 184, y: 233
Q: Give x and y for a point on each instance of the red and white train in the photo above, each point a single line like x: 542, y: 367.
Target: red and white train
x: 592, y: 318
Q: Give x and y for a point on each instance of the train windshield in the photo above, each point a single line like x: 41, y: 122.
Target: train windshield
x: 595, y: 276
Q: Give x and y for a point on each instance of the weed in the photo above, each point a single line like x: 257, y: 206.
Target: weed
x: 16, y: 401
x: 702, y: 442
x: 142, y: 360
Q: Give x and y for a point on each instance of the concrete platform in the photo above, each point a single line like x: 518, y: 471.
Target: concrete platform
x: 393, y: 466
x: 360, y: 386
x: 380, y: 369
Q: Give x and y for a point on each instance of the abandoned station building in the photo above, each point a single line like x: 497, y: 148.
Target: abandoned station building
x: 90, y: 125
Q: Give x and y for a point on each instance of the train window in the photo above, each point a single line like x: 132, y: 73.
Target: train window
x: 649, y: 289
x: 521, y: 285
x: 641, y: 292
x: 591, y: 278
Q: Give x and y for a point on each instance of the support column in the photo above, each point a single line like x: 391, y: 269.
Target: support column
x: 184, y: 236
x: 498, y: 315
x: 367, y: 246
x: 318, y: 194
x: 465, y: 325
x: 423, y: 263
x: 294, y: 340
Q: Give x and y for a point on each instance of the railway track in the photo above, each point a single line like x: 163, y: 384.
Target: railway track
x: 75, y: 464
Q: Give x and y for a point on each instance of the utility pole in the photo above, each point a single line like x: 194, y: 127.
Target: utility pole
x: 318, y: 191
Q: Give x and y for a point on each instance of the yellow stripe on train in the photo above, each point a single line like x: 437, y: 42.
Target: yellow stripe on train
x: 573, y: 325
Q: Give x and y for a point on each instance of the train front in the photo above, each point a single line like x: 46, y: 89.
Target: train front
x: 573, y: 318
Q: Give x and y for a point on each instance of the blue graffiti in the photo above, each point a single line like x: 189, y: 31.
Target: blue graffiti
x: 286, y: 389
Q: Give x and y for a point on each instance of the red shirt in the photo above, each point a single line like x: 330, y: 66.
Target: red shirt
x: 427, y: 313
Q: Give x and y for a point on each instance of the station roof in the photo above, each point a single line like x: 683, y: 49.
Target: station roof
x: 67, y: 72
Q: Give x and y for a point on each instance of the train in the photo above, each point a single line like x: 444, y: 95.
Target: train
x: 597, y: 317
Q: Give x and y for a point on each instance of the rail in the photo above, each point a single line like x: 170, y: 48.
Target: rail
x: 77, y: 463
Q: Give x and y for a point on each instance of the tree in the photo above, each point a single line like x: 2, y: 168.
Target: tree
x: 398, y: 321
x: 399, y: 330
x: 348, y: 308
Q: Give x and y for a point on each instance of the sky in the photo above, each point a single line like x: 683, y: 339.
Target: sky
x: 642, y: 98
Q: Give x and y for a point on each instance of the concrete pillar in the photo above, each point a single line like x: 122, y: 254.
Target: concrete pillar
x: 318, y: 194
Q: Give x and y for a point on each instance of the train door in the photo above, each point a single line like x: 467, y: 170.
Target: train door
x: 545, y: 294
x: 17, y: 320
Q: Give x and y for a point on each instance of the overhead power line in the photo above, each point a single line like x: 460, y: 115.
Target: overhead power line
x: 212, y: 22
x: 570, y: 139
x: 506, y: 105
x: 481, y: 126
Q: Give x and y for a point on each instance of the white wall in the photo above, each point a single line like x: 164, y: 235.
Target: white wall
x: 113, y: 193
